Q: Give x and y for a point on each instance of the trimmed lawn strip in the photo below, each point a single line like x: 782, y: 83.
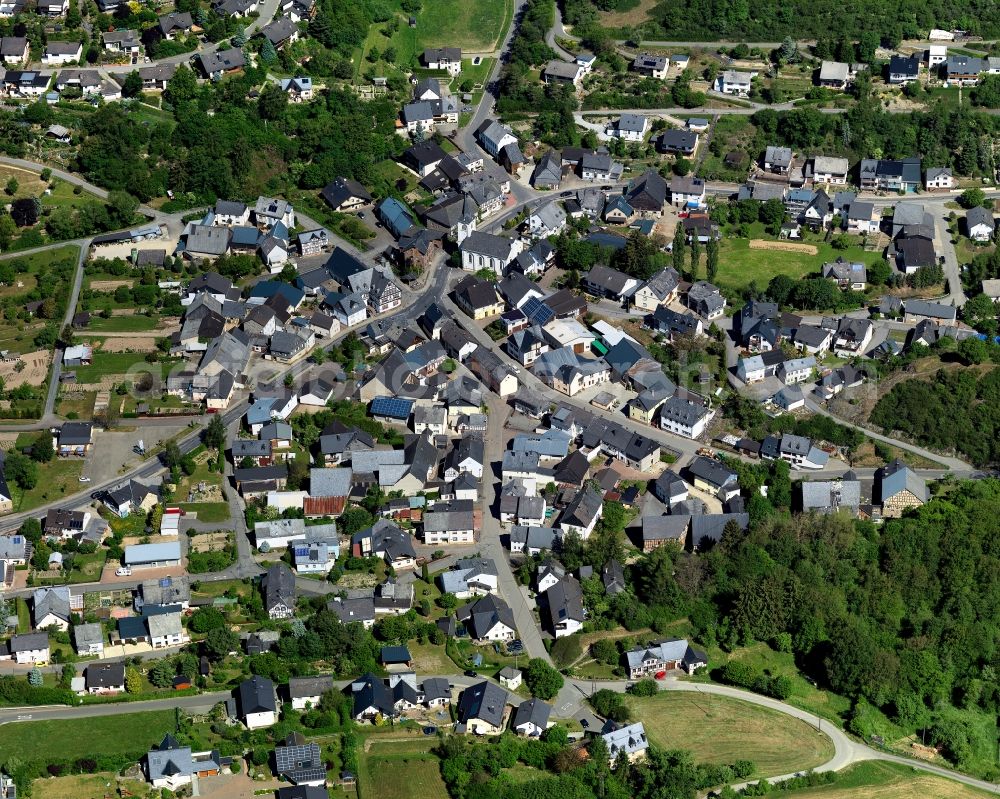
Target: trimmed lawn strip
x: 720, y: 730
x: 207, y: 511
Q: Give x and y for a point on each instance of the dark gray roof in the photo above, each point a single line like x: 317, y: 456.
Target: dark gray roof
x: 483, y: 701
x: 483, y: 614
x: 257, y: 695
x: 279, y: 587
x: 299, y: 687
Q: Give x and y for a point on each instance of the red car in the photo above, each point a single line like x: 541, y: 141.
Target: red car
x: 660, y: 675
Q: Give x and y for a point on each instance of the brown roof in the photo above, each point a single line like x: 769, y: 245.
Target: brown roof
x: 323, y: 506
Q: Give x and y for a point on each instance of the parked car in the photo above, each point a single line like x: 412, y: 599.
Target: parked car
x: 123, y: 571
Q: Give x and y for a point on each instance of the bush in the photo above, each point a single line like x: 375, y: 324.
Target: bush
x: 646, y: 687
x: 610, y: 705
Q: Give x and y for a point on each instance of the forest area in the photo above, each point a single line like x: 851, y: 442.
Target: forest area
x: 771, y: 20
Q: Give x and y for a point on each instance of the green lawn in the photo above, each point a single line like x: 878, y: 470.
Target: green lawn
x: 86, y: 737
x: 739, y: 265
x: 874, y: 780
x: 136, y: 323
x: 721, y: 730
x: 207, y: 511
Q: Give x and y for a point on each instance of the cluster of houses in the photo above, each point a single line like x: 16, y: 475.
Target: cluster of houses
x: 232, y: 228
x: 154, y: 623
x: 895, y: 489
x: 277, y: 321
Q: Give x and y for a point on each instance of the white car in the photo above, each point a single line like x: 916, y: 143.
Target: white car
x: 123, y: 571
x: 84, y: 479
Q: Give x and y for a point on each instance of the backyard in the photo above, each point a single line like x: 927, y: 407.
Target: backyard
x: 721, y: 730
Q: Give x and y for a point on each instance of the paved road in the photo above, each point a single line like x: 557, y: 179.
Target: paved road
x: 491, y: 545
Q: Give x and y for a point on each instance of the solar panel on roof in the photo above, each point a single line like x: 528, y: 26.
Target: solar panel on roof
x: 537, y: 311
x: 392, y: 406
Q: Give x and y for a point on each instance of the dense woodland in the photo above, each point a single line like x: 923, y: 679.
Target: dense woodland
x: 732, y: 20
x: 959, y: 410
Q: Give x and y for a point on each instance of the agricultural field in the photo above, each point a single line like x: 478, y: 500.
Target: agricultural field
x: 721, y: 730
x: 874, y: 780
x: 86, y: 737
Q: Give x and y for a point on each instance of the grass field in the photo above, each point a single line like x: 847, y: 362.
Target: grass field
x: 739, y: 265
x: 473, y: 27
x: 804, y: 695
x: 55, y: 479
x: 207, y: 511
x: 410, y: 776
x: 887, y: 781
x: 720, y: 730
x: 86, y: 737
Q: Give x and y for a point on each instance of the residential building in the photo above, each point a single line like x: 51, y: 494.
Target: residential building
x: 531, y: 718
x: 734, y: 82
x: 258, y: 706
x: 900, y: 489
x: 482, y: 708
x: 279, y: 592
x: 562, y: 72
x: 171, y: 766
x: 903, y: 69
x: 629, y: 127
x: 684, y: 417
x: 448, y: 59
x: 50, y: 608
x: 668, y: 655
x: 488, y: 620
x: 653, y: 66
x: 629, y: 741
x: 979, y: 224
